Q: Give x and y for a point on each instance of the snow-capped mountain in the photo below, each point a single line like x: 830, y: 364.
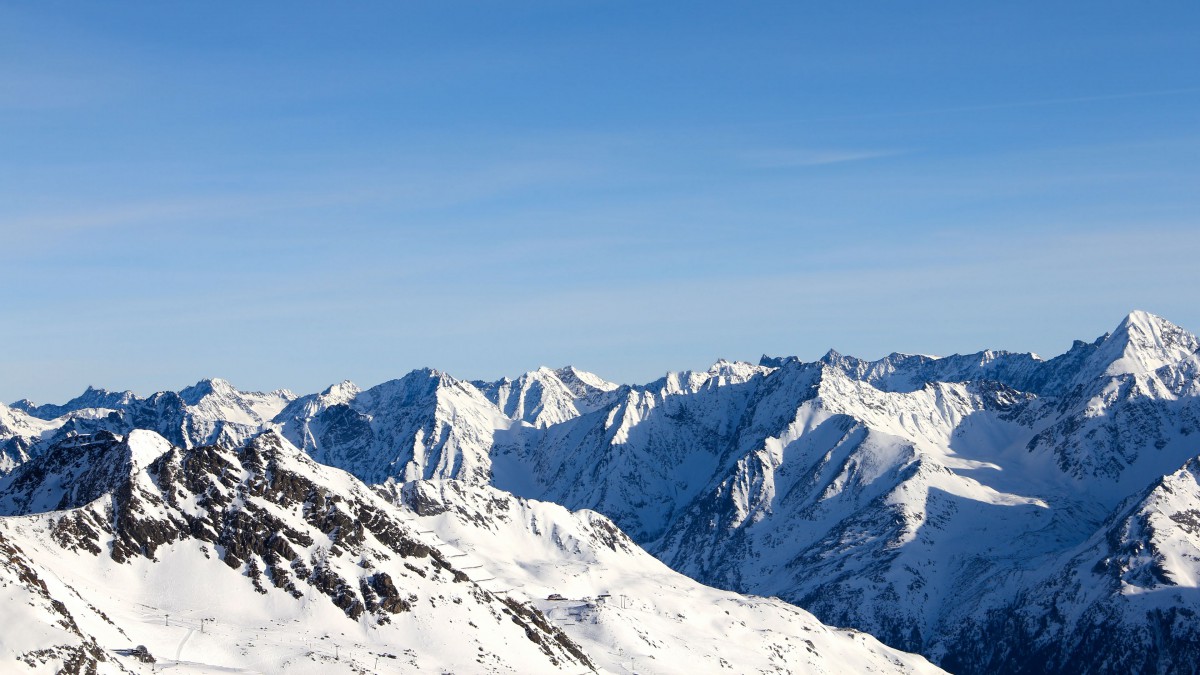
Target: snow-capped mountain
x: 911, y: 511
x: 644, y: 456
x: 248, y: 544
x: 986, y: 510
x: 423, y: 425
x: 1122, y: 601
x: 18, y: 433
x: 23, y: 435
x: 210, y: 411
x: 625, y: 608
x: 213, y: 559
x: 544, y: 397
x: 90, y: 398
x: 907, y: 497
x: 41, y: 632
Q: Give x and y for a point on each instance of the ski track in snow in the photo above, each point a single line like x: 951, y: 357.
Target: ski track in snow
x: 179, y: 649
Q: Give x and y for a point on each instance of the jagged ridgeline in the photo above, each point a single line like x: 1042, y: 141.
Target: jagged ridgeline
x: 995, y: 512
x: 259, y: 520
x: 257, y: 558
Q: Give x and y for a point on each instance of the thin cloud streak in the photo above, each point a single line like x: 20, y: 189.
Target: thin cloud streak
x: 413, y: 190
x: 1036, y: 103
x: 788, y: 158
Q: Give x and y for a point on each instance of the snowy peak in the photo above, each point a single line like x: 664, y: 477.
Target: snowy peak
x: 544, y: 397
x: 1142, y: 344
x: 341, y: 392
x: 90, y: 398
x: 261, y: 531
x: 583, y: 383
x: 307, y: 407
x: 1123, y: 601
x: 720, y: 374
x: 16, y: 422
x: 217, y: 400
x: 426, y: 424
x: 910, y: 372
x: 23, y: 435
x: 77, y: 471
x: 419, y: 387
x: 734, y: 372
x: 208, y: 387
x: 1157, y: 545
x: 211, y: 411
x: 144, y: 447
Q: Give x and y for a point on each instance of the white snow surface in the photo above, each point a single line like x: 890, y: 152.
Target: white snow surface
x: 628, y: 610
x: 544, y: 397
x: 915, y: 497
x: 102, y: 594
x: 198, y: 610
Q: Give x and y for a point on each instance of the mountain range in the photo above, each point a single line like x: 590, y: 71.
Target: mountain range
x: 993, y: 512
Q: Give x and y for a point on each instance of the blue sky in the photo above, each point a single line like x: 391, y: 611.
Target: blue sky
x: 289, y: 194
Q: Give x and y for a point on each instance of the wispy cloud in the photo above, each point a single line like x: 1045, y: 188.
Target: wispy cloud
x: 788, y: 158
x: 1006, y: 105
x: 430, y: 188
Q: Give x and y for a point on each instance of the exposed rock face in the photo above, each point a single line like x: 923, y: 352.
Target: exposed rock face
x: 424, y: 425
x: 209, y: 412
x: 934, y: 502
x: 1123, y: 601
x: 916, y: 498
x: 91, y: 398
x: 619, y: 603
x: 41, y: 633
x: 545, y: 397
x: 265, y: 510
x: 72, y: 473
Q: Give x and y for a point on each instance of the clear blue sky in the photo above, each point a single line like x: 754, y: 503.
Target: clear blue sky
x: 289, y: 194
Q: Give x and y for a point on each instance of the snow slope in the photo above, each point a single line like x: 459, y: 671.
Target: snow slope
x: 544, y: 397
x: 909, y: 497
x: 1122, y: 601
x: 423, y: 425
x: 935, y: 502
x: 210, y: 411
x: 42, y: 633
x: 300, y: 567
x: 630, y: 612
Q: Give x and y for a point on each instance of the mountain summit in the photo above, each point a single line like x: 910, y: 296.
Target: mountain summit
x: 1143, y: 343
x: 993, y: 511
